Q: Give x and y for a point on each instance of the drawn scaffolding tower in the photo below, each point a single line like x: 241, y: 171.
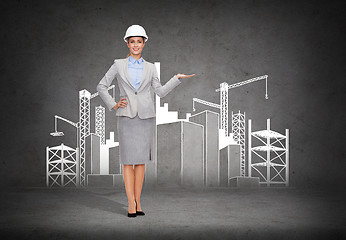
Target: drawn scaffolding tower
x: 62, y: 166
x: 238, y: 130
x: 271, y: 160
x: 100, y: 123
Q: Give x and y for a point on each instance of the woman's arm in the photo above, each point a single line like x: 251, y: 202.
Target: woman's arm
x: 162, y: 91
x: 104, y: 84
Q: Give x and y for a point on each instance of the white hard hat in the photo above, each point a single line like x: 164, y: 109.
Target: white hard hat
x: 135, y: 31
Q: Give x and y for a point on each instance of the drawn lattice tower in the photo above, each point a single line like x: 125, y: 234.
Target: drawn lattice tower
x: 238, y: 130
x: 84, y: 120
x: 270, y: 159
x: 100, y: 123
x: 224, y: 107
x: 61, y: 166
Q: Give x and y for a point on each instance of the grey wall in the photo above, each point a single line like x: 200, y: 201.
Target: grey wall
x: 51, y: 50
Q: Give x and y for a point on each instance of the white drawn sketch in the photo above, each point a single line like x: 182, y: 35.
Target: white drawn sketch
x: 62, y: 166
x: 62, y: 162
x: 227, y: 138
x: 100, y: 123
x: 270, y: 160
x: 209, y: 121
x: 163, y: 115
x: 207, y: 128
x: 104, y: 153
x: 224, y: 99
x: 83, y: 130
x: 238, y: 130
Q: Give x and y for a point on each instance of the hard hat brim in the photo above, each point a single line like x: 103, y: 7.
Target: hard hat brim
x: 145, y: 38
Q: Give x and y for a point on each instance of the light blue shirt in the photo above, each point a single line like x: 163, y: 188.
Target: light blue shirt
x: 135, y: 71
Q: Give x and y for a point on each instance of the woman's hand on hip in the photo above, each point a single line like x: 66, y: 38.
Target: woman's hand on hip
x: 122, y: 103
x: 181, y: 75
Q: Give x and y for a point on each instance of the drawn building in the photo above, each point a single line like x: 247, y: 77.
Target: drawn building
x: 180, y: 154
x: 92, y: 154
x: 211, y: 164
x: 195, y: 151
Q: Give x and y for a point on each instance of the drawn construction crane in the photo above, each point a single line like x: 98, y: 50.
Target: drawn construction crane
x: 83, y: 127
x: 238, y: 120
x: 224, y: 99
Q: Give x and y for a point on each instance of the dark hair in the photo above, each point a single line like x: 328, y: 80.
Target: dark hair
x: 127, y: 39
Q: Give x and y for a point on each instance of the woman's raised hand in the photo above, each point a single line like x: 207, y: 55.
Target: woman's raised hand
x: 180, y: 75
x: 122, y: 103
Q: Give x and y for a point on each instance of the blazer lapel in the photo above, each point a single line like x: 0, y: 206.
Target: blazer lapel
x: 127, y: 75
x: 144, y: 72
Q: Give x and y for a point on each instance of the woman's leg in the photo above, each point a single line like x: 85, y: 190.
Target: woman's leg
x: 129, y: 179
x: 139, y: 176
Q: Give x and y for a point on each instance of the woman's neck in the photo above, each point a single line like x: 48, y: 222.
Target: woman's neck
x: 136, y: 56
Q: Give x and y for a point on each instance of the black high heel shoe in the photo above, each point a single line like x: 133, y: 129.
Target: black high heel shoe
x: 132, y: 214
x: 139, y: 212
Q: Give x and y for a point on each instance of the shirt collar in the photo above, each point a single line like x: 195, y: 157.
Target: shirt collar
x: 132, y: 60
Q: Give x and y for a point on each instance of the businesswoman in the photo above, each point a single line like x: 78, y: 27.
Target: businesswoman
x: 135, y: 111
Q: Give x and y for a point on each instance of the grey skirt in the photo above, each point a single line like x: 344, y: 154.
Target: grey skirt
x: 135, y: 136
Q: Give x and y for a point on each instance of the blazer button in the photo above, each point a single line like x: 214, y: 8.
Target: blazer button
x: 136, y: 93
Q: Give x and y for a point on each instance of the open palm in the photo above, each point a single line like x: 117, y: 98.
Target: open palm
x: 180, y: 75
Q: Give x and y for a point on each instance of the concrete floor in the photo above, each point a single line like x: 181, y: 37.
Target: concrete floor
x: 173, y: 213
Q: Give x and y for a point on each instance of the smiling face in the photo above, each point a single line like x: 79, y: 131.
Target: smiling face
x: 136, y: 44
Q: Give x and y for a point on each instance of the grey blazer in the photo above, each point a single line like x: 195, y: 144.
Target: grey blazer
x: 140, y: 101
